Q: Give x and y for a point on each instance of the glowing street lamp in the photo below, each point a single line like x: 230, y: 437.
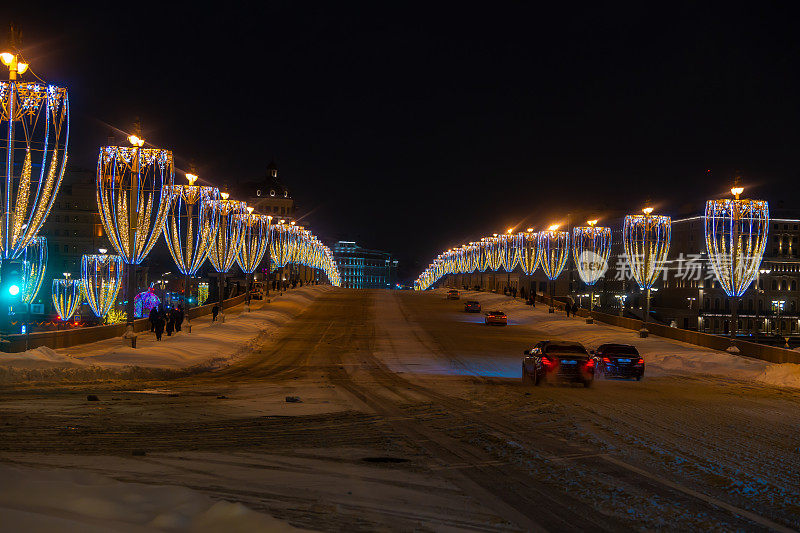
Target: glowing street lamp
x: 255, y: 241
x: 191, y: 226
x: 646, y: 238
x: 134, y: 189
x: 736, y: 235
x: 553, y: 253
x: 591, y: 248
x: 225, y: 247
x: 33, y: 153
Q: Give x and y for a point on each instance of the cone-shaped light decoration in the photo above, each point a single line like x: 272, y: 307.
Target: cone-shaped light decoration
x: 529, y: 255
x: 281, y: 247
x: 495, y: 253
x: 33, y: 155
x: 646, y: 238
x: 736, y: 235
x: 509, y: 250
x: 255, y: 240
x: 191, y: 226
x: 134, y: 189
x: 34, y: 264
x: 484, y: 251
x: 553, y: 251
x: 102, y: 278
x: 591, y: 248
x: 225, y: 248
x: 67, y: 295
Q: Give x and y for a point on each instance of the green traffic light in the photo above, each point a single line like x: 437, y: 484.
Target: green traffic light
x: 13, y: 290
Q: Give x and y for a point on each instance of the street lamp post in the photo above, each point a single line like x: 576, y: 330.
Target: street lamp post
x: 591, y: 248
x: 225, y: 247
x: 646, y: 238
x: 255, y: 241
x: 759, y: 292
x: 134, y: 188
x: 554, y: 251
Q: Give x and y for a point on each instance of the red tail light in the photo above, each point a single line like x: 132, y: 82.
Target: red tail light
x: 546, y: 361
x: 606, y: 360
x: 640, y: 361
x: 590, y: 363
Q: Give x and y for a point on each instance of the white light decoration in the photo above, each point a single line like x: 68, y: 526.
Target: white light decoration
x: 33, y: 155
x: 134, y: 189
x: 553, y: 255
x: 34, y: 264
x: 255, y: 241
x: 509, y: 245
x: 225, y: 247
x: 591, y: 248
x: 736, y: 235
x: 646, y: 238
x: 484, y: 252
x: 102, y: 278
x: 67, y: 294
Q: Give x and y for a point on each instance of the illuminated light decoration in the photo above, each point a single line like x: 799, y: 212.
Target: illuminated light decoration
x: 255, y: 241
x: 494, y: 252
x: 101, y: 278
x: 484, y: 251
x: 225, y: 247
x: 591, y: 249
x: 202, y: 292
x: 509, y: 246
x: 191, y: 225
x: 145, y: 302
x: 134, y: 190
x: 553, y: 255
x: 280, y: 247
x: 529, y: 255
x: 34, y: 264
x: 736, y: 235
x: 646, y: 238
x: 33, y: 148
x: 67, y: 294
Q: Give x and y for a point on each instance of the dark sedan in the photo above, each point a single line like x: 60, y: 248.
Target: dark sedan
x: 472, y: 306
x: 619, y: 360
x: 562, y: 360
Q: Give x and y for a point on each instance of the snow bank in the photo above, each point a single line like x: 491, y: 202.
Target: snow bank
x: 662, y: 356
x: 79, y: 501
x: 209, y: 344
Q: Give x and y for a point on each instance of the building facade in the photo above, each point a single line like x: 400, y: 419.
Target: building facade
x: 361, y: 268
x: 269, y: 196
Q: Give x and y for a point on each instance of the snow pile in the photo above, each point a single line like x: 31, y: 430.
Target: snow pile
x: 78, y: 501
x: 41, y: 357
x: 661, y: 355
x: 209, y: 343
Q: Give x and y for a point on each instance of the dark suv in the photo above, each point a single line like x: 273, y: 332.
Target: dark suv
x: 563, y: 360
x: 619, y: 360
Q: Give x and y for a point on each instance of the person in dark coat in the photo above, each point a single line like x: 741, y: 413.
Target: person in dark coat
x: 158, y: 326
x: 214, y: 312
x: 179, y: 314
x: 574, y: 309
x: 170, y: 317
x: 153, y: 317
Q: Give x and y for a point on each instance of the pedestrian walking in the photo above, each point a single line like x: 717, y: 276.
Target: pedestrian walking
x: 567, y: 308
x: 179, y: 316
x: 170, y: 318
x: 153, y: 317
x: 159, y: 326
x: 214, y: 312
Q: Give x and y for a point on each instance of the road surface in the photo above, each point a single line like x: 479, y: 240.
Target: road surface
x: 411, y: 415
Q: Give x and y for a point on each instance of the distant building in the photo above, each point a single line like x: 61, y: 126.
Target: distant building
x: 269, y: 196
x: 361, y: 268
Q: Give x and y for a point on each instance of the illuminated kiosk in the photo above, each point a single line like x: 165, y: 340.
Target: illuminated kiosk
x: 646, y: 238
x: 591, y: 248
x: 553, y: 253
x: 736, y: 235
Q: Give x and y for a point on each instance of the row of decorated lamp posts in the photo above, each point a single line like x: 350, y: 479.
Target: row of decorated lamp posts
x: 137, y: 202
x: 736, y: 235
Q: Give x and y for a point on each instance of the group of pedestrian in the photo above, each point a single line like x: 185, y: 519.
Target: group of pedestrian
x: 571, y: 307
x: 169, y: 320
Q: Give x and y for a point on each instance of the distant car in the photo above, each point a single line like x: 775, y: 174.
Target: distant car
x: 452, y: 294
x: 619, y: 360
x: 472, y: 306
x: 496, y: 318
x: 562, y: 360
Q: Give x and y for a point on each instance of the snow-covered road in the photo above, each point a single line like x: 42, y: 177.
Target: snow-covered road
x: 411, y: 415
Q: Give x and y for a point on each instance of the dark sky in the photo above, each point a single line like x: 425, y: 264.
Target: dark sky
x: 411, y: 128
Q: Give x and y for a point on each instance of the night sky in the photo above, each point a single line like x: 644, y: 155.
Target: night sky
x: 414, y: 128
